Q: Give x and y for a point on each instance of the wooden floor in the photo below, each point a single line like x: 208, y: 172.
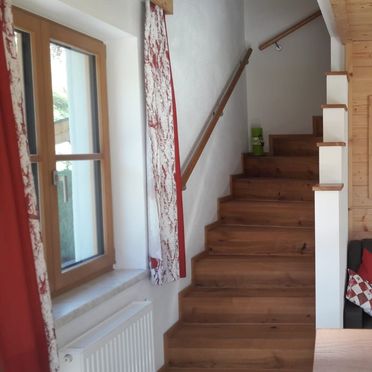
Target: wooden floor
x: 251, y: 304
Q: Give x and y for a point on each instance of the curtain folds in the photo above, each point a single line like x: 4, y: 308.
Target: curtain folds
x: 164, y: 185
x: 27, y: 337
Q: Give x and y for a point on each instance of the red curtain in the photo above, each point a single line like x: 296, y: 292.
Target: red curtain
x: 164, y: 184
x: 23, y: 343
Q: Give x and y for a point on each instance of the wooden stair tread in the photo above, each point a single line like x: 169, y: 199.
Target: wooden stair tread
x: 279, y: 262
x: 223, y: 239
x: 206, y: 335
x: 268, y: 155
x: 228, y: 346
x: 328, y: 187
x: 254, y: 272
x: 248, y: 306
x: 249, y: 292
x: 294, y: 144
x: 329, y: 73
x: 258, y: 228
x: 269, y: 202
x: 267, y: 212
x: 305, y: 167
x: 230, y: 369
x: 275, y: 188
x: 334, y: 106
x: 246, y: 178
x: 331, y: 144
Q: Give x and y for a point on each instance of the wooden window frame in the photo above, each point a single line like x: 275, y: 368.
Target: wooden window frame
x: 43, y: 31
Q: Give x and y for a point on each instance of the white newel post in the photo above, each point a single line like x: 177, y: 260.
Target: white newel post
x: 331, y: 207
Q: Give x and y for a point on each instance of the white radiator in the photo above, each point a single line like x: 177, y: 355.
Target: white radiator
x: 122, y: 343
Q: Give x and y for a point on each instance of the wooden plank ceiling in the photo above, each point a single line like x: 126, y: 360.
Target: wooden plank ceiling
x: 353, y: 19
x: 167, y: 5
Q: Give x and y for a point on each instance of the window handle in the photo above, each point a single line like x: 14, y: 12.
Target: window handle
x: 55, y: 177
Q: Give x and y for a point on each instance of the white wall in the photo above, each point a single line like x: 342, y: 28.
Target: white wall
x: 285, y: 89
x: 206, y: 41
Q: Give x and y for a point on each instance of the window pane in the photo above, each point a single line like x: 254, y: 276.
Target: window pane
x: 23, y: 43
x: 74, y: 101
x: 80, y: 211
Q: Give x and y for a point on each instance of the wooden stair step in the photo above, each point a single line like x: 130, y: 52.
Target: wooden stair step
x: 254, y: 272
x: 305, y: 167
x: 272, y: 188
x: 259, y: 240
x: 232, y: 346
x: 318, y: 126
x: 237, y: 369
x: 292, y: 145
x: 267, y: 212
x: 221, y: 305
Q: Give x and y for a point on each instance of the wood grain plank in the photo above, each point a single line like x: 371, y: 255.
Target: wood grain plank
x: 331, y: 144
x: 166, y: 5
x: 328, y: 187
x: 343, y: 350
x: 337, y: 73
x: 334, y: 106
x: 360, y: 198
x: 360, y: 174
x: 370, y: 145
x: 350, y: 67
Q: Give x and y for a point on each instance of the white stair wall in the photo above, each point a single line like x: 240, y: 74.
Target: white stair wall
x: 335, y: 129
x: 331, y: 209
x: 337, y: 89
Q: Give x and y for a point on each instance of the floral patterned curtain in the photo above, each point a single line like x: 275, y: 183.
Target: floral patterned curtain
x: 165, y: 214
x: 27, y: 337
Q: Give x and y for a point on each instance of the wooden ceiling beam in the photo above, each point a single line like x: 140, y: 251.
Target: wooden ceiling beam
x: 167, y: 5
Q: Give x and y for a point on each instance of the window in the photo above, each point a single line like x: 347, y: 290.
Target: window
x: 64, y: 79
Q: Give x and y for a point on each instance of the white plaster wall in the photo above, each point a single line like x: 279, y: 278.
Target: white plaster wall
x: 206, y: 41
x: 285, y: 89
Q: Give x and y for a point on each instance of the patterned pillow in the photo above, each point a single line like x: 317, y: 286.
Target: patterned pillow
x: 359, y: 292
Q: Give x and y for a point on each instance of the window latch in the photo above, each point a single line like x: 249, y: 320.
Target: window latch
x: 55, y: 177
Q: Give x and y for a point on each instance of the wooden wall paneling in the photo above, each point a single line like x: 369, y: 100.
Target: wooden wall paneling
x: 362, y: 222
x: 167, y: 5
x: 369, y: 146
x: 353, y: 19
x: 349, y: 68
x: 359, y: 174
x: 359, y: 63
x: 360, y: 197
x: 342, y: 21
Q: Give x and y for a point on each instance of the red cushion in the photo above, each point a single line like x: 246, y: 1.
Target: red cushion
x: 365, y: 269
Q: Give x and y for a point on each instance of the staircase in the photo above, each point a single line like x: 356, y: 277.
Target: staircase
x: 251, y: 304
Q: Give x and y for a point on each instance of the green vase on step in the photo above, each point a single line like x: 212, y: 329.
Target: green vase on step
x: 257, y: 141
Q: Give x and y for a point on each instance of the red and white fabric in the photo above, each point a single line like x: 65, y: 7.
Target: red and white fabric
x: 165, y: 214
x: 359, y: 292
x: 27, y: 336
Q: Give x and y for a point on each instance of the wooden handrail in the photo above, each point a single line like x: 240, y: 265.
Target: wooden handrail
x: 199, y: 146
x: 290, y: 30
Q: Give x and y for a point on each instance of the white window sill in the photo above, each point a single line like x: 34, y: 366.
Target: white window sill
x: 78, y: 301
